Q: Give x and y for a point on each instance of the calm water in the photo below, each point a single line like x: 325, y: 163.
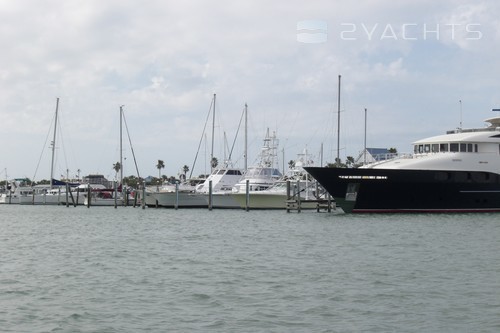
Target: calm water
x: 158, y: 270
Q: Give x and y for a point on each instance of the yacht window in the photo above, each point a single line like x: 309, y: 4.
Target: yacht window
x: 443, y: 147
x: 415, y: 149
x: 463, y: 147
x: 469, y: 147
x: 420, y: 149
x: 435, y: 148
x: 427, y: 148
x: 454, y: 147
x: 221, y: 172
x: 475, y: 148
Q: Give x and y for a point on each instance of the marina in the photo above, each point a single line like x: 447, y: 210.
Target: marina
x: 250, y: 166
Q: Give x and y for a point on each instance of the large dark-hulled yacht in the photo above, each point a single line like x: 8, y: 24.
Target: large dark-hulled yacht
x: 455, y: 172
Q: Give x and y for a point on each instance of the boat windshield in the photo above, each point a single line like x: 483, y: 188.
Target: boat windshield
x: 262, y: 172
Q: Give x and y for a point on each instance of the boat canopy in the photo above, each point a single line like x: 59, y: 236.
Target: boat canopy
x: 495, y: 122
x: 56, y: 182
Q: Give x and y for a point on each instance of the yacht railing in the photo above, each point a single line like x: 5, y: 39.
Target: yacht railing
x: 472, y: 130
x: 384, y: 158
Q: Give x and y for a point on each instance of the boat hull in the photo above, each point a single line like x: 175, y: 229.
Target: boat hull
x: 222, y: 200
x: 175, y: 200
x: 41, y: 199
x: 420, y: 191
x: 189, y: 200
x: 9, y: 199
x: 267, y: 200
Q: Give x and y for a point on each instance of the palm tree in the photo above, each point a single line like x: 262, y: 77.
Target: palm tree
x: 350, y: 161
x: 214, y: 162
x: 117, y: 167
x: 185, y: 168
x: 160, y: 166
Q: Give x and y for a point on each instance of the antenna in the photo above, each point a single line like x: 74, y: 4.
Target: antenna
x: 460, y: 101
x: 338, y: 126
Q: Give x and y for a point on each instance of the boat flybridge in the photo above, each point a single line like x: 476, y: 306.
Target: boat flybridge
x: 459, y: 149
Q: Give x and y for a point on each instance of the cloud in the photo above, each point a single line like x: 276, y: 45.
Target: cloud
x: 465, y: 25
x: 164, y: 60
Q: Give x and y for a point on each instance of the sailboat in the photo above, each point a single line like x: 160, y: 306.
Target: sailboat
x: 119, y: 195
x: 56, y: 193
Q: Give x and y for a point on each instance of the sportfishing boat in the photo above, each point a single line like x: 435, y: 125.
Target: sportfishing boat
x: 221, y: 180
x: 265, y: 173
x: 15, y: 189
x: 153, y: 192
x: 295, y: 184
x: 455, y: 172
x: 259, y: 177
x: 212, y: 192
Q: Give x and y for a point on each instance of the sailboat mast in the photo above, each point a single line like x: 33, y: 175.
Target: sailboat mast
x: 121, y: 149
x: 226, y: 147
x: 338, y: 125
x: 321, y: 155
x: 364, y: 157
x: 213, y: 131
x: 54, y: 146
x: 246, y: 137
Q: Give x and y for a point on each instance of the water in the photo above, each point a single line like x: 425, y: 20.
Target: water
x: 158, y: 270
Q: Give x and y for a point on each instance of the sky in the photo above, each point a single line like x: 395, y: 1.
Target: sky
x: 419, y: 68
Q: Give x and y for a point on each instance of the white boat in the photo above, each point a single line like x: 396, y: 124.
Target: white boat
x: 266, y: 172
x: 41, y: 194
x: 295, y: 185
x: 15, y: 190
x: 150, y: 191
x: 221, y: 180
x: 259, y: 177
x: 224, y: 182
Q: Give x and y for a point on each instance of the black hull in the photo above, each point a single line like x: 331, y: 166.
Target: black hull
x: 419, y: 191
